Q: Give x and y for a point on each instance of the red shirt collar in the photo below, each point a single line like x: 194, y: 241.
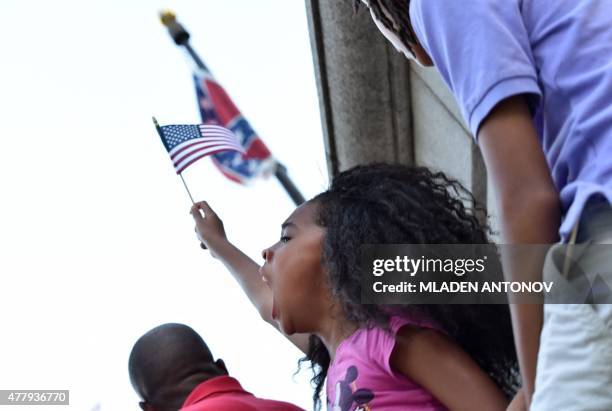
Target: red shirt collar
x: 217, y: 385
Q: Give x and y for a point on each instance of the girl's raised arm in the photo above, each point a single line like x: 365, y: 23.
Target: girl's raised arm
x: 246, y: 271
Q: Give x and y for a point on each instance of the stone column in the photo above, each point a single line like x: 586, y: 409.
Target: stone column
x: 364, y: 87
x: 376, y: 106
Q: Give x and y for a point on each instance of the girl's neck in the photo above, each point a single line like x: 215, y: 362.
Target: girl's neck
x: 335, y: 329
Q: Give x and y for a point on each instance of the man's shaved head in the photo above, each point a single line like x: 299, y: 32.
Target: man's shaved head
x: 168, y: 362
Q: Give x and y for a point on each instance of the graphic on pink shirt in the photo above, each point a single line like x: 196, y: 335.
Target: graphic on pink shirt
x: 347, y: 395
x: 360, y: 377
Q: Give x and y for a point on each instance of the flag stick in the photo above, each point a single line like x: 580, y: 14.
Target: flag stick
x: 159, y: 131
x: 187, y: 188
x: 181, y: 37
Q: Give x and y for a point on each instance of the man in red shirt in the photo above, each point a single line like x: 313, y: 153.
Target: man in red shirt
x: 171, y: 368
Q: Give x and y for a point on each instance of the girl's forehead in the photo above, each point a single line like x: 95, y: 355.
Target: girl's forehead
x: 303, y: 215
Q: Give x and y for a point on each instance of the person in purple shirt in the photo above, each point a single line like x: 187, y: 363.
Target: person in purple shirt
x: 533, y: 79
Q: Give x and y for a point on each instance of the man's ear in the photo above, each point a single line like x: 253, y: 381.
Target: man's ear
x: 221, y: 365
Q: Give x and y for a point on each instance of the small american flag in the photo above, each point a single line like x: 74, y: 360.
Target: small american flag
x: 186, y: 144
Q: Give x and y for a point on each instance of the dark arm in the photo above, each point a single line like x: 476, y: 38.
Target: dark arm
x: 529, y: 208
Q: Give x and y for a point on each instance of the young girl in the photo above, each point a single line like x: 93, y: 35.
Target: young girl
x: 376, y: 358
x: 533, y: 79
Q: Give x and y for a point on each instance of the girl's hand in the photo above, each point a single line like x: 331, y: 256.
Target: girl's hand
x: 209, y: 226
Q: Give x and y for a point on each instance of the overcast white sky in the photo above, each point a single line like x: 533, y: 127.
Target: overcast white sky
x: 96, y: 242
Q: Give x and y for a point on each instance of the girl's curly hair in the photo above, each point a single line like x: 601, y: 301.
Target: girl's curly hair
x: 395, y: 204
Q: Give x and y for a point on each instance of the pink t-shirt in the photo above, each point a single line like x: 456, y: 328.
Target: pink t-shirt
x: 361, y: 379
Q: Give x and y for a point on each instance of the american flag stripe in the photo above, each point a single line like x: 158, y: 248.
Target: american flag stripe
x: 202, y: 149
x: 200, y: 142
x: 214, y: 127
x: 187, y: 161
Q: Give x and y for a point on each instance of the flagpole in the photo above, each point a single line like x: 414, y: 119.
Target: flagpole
x: 281, y: 174
x: 181, y: 38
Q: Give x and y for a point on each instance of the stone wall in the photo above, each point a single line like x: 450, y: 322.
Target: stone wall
x: 376, y: 106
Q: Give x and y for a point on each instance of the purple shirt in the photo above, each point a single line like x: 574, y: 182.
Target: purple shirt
x: 360, y: 377
x: 559, y: 52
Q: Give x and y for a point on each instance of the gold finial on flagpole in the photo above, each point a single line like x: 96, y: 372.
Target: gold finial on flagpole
x: 177, y: 32
x: 167, y: 17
